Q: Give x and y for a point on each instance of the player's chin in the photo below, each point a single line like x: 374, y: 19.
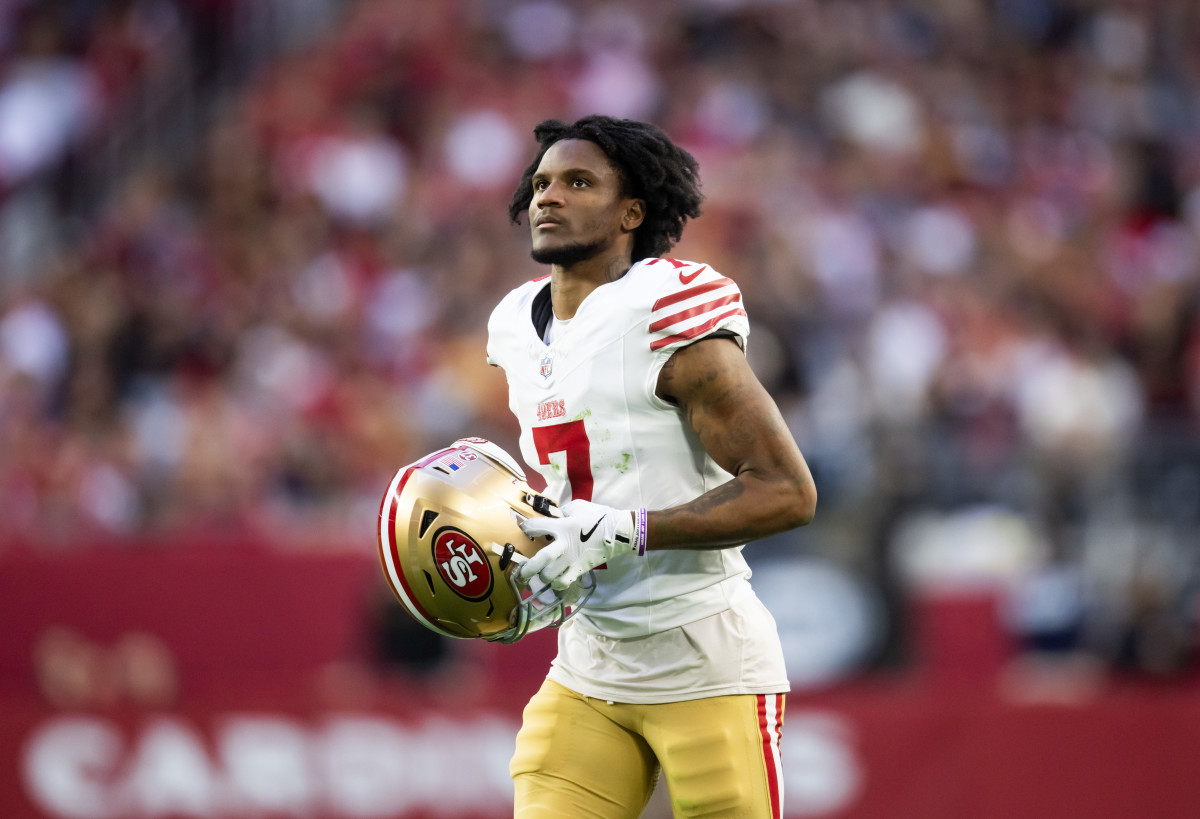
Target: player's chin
x: 544, y: 246
x: 565, y: 252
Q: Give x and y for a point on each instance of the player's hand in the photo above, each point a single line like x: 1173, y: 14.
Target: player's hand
x: 585, y: 536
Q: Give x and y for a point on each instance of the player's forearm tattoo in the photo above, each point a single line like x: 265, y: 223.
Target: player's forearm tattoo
x: 680, y: 524
x: 727, y: 492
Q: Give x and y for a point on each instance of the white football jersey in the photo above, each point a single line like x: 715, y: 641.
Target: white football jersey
x: 592, y: 426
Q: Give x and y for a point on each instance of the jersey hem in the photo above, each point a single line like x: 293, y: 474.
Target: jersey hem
x: 632, y: 698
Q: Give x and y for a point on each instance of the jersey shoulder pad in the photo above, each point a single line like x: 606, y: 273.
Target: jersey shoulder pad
x: 688, y: 301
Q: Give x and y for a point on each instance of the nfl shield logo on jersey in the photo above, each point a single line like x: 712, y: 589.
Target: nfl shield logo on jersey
x: 545, y: 366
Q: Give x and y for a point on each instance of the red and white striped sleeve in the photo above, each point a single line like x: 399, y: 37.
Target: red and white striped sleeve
x: 696, y: 301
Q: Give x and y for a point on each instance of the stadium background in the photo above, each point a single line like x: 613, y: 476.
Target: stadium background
x: 247, y: 252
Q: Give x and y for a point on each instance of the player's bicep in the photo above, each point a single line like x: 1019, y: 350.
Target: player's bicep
x: 729, y: 410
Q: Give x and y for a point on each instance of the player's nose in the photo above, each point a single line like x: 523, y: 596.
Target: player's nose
x: 549, y: 196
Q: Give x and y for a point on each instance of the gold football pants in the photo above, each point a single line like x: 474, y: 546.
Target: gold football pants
x: 583, y: 758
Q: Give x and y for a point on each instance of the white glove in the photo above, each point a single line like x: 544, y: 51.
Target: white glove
x: 585, y: 536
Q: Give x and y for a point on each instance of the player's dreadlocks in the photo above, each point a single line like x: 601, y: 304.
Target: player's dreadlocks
x: 651, y: 167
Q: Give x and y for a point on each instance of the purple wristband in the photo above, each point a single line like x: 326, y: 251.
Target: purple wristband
x: 639, y: 534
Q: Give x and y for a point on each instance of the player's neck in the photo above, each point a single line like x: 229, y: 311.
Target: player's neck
x: 569, y: 286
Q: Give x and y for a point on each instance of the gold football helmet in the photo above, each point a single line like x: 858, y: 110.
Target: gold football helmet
x: 449, y: 542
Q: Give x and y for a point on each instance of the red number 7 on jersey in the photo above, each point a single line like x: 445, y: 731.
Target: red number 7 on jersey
x: 569, y: 437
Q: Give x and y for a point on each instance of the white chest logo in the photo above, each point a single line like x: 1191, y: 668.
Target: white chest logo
x: 546, y: 366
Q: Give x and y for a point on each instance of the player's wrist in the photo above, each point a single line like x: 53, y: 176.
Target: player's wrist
x: 630, y: 534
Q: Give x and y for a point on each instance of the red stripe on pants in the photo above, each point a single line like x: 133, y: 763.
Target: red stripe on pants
x: 770, y: 721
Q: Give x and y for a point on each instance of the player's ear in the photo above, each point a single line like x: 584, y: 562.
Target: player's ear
x: 635, y: 214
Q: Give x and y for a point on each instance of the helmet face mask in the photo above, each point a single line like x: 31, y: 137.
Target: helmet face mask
x: 449, y: 543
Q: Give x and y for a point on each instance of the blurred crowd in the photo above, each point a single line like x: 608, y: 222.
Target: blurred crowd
x: 967, y: 231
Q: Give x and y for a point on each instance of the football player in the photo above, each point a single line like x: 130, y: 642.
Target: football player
x: 628, y: 375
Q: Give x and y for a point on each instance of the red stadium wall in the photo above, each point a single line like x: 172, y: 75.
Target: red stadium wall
x: 278, y: 712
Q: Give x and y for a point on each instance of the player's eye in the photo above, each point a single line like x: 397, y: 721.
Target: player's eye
x: 539, y: 185
x: 579, y: 183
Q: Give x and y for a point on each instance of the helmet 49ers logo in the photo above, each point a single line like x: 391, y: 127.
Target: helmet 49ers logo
x: 462, y: 564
